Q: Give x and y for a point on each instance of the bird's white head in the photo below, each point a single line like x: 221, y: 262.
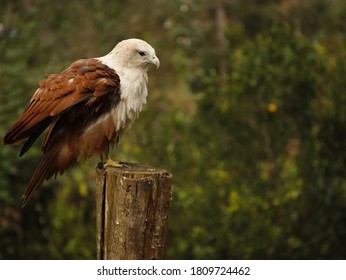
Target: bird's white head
x: 134, y: 53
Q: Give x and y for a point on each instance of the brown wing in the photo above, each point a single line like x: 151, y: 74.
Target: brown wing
x: 67, y: 103
x: 84, y: 81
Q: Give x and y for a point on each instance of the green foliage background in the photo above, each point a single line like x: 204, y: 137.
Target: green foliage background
x: 247, y: 111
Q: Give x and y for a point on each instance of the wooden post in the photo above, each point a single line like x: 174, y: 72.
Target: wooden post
x: 132, y: 206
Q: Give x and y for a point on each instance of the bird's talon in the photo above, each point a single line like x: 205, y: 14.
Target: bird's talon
x: 115, y: 164
x: 124, y: 164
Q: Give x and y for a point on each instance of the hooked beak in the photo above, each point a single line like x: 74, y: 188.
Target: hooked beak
x: 154, y: 60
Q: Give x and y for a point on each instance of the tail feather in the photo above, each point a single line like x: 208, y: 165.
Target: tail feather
x: 47, y: 167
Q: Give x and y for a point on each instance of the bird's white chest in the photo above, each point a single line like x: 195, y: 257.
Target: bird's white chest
x: 134, y: 92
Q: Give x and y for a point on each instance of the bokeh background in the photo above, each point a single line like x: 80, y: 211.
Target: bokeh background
x: 247, y: 111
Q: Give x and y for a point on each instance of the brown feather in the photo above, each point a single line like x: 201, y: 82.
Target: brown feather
x: 56, y: 94
x: 68, y: 103
x: 45, y: 170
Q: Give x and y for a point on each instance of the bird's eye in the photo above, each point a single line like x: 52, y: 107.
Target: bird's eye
x: 141, y: 53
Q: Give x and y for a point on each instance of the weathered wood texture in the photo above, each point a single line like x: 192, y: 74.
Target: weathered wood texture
x: 132, y: 205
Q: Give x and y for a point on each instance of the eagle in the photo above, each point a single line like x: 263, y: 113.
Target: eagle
x: 84, y: 109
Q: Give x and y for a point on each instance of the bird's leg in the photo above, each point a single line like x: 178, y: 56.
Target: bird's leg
x: 111, y: 163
